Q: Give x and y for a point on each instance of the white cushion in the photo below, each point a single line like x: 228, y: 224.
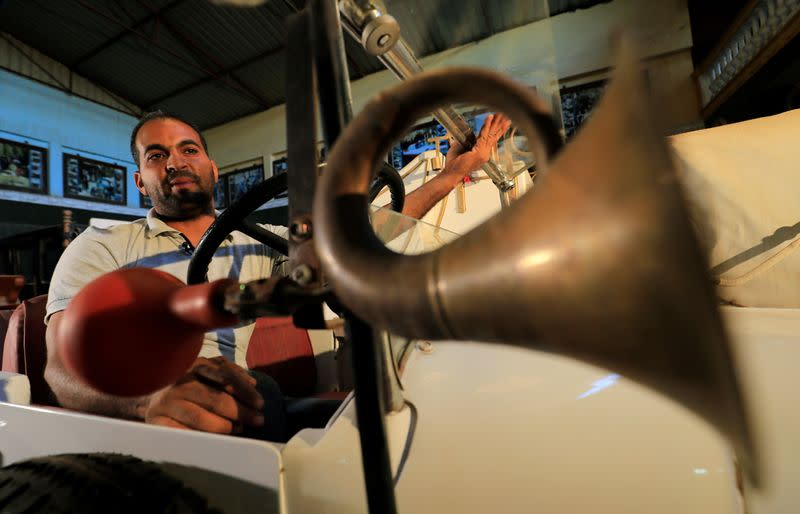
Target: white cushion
x: 743, y: 182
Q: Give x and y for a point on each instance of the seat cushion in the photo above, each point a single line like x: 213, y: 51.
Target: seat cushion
x: 25, y: 348
x: 742, y: 184
x: 284, y: 352
x: 5, y: 316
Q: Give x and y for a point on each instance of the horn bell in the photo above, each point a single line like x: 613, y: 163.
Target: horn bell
x: 602, y: 257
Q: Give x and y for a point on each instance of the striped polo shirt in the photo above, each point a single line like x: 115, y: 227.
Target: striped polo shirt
x: 151, y: 243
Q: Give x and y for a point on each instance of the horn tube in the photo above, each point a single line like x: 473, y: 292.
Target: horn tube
x: 601, y: 258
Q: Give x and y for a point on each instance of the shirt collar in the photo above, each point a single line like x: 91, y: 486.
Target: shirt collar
x: 156, y: 226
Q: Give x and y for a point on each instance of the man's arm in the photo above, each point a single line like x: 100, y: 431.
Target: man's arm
x: 458, y: 165
x: 73, y: 394
x: 214, y: 396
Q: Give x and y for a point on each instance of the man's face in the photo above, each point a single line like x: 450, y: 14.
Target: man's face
x: 174, y: 169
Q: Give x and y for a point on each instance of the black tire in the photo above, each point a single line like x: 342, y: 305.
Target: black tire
x: 98, y: 482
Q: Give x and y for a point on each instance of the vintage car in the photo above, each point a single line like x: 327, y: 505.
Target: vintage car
x: 569, y: 355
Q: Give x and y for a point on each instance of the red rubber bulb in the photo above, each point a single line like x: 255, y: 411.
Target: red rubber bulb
x: 132, y: 332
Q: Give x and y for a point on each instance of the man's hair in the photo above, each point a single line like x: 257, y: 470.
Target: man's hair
x: 160, y: 115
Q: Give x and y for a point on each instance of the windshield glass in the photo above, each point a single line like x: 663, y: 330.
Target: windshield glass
x: 422, y: 153
x: 407, y: 236
x: 524, y: 48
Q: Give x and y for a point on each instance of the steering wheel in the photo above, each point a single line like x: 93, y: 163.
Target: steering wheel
x: 234, y: 218
x: 389, y: 177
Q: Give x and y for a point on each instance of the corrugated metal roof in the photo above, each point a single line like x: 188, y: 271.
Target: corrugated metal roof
x: 266, y: 76
x: 232, y: 35
x: 220, y: 104
x: 138, y: 71
x: 31, y: 20
x: 181, y: 54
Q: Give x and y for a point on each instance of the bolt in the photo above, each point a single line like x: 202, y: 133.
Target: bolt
x: 384, y: 40
x: 425, y: 346
x: 300, y: 230
x: 302, y: 274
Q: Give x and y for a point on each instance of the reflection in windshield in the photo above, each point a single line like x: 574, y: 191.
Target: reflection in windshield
x: 407, y: 235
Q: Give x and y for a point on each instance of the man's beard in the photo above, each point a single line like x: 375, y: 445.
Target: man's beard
x: 182, y: 205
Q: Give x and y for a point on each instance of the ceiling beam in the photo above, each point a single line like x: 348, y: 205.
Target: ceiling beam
x: 113, y: 40
x: 217, y: 75
x: 204, y: 55
x: 150, y: 40
x: 487, y: 17
x: 204, y: 70
x: 293, y: 6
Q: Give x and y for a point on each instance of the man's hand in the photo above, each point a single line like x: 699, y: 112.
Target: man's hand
x: 459, y: 163
x: 494, y: 127
x: 492, y: 130
x: 215, y: 395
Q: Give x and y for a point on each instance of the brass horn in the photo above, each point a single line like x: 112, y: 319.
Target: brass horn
x: 602, y: 256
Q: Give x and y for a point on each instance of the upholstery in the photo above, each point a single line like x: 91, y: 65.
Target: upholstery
x: 284, y: 352
x: 10, y: 286
x: 742, y: 183
x: 5, y: 316
x: 277, y: 348
x: 25, y: 349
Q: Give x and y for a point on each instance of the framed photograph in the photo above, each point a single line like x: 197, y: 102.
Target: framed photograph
x: 577, y: 104
x: 23, y: 167
x: 221, y: 193
x: 97, y: 181
x: 280, y: 160
x: 280, y: 163
x: 416, y: 141
x: 241, y: 180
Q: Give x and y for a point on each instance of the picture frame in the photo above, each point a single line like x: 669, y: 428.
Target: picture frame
x: 241, y: 178
x: 221, y: 193
x: 280, y: 164
x: 23, y: 166
x: 415, y: 141
x: 578, y: 102
x: 94, y: 180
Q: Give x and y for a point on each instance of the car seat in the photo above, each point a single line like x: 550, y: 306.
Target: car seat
x: 25, y: 349
x: 285, y: 353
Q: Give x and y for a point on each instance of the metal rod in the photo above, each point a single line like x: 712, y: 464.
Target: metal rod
x: 402, y: 62
x: 333, y: 81
x: 370, y: 407
x: 228, y: 221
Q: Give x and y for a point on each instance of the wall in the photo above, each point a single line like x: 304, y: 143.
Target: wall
x: 571, y: 48
x: 567, y: 49
x: 43, y: 116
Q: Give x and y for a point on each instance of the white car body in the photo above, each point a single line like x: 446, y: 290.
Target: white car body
x: 492, y: 429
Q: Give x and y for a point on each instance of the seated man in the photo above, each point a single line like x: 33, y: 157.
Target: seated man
x: 217, y: 394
